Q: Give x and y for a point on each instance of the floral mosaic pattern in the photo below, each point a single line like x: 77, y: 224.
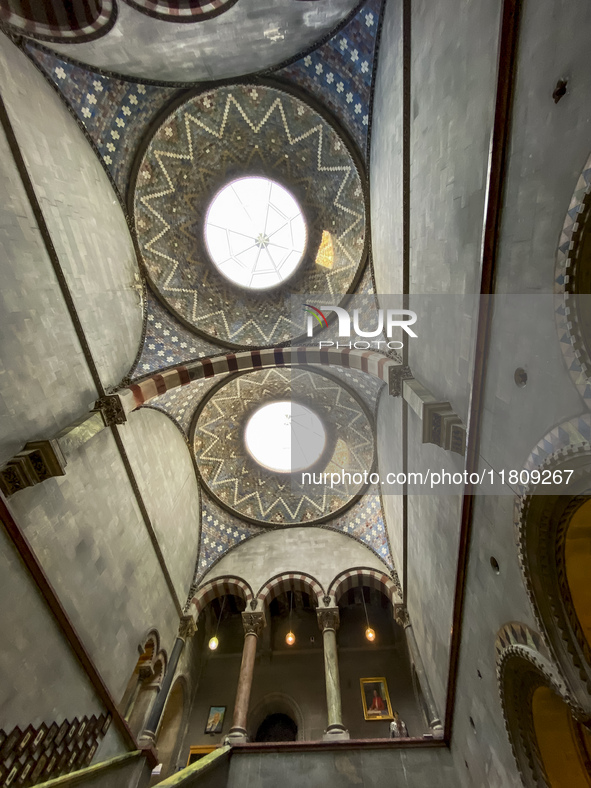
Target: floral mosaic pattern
x: 220, y: 531
x: 114, y: 112
x: 167, y: 342
x: 340, y: 72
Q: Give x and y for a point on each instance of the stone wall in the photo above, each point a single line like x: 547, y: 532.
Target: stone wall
x: 84, y: 219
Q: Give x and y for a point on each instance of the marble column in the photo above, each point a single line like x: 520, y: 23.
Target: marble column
x: 253, y: 626
x: 328, y: 621
x: 403, y: 619
x: 187, y: 629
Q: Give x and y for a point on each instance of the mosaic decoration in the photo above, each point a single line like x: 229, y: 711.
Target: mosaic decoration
x: 572, y: 348
x: 54, y: 20
x: 249, y: 489
x: 114, y: 112
x: 574, y: 432
x: 180, y: 404
x: 222, y: 531
x: 340, y: 72
x: 517, y: 634
x: 181, y: 10
x: 36, y: 754
x: 211, y: 140
x: 167, y: 342
x: 365, y: 522
x: 365, y: 386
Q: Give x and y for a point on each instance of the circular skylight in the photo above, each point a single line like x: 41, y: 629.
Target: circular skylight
x: 285, y: 436
x: 255, y: 233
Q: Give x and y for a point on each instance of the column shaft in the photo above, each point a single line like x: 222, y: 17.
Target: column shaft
x: 415, y: 656
x: 331, y: 673
x: 253, y: 626
x: 328, y: 620
x: 244, y: 684
x: 158, y: 707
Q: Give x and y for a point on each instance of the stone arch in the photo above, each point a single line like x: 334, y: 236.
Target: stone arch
x: 533, y: 694
x: 372, y: 363
x: 276, y: 703
x: 364, y: 576
x: 551, y: 531
x: 566, y: 440
x: 59, y: 21
x: 571, y: 333
x: 219, y: 586
x: 290, y: 581
x: 181, y: 10
x: 144, y: 681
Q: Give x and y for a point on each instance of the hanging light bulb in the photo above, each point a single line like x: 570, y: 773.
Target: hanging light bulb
x: 214, y: 642
x: 290, y: 637
x: 369, y: 632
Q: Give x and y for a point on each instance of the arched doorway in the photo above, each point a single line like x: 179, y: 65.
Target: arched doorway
x: 564, y: 744
x: 552, y: 747
x: 577, y: 568
x: 277, y: 727
x: 555, y: 547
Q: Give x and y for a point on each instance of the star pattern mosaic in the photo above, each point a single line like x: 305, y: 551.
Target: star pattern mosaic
x: 114, y: 112
x: 340, y: 72
x: 220, y: 136
x: 233, y: 477
x: 222, y: 531
x: 167, y: 342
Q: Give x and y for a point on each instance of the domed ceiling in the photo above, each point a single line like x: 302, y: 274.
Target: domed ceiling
x: 248, y: 489
x: 213, y: 139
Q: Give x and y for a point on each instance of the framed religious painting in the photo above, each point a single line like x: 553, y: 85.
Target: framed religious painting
x: 375, y: 698
x: 215, y: 719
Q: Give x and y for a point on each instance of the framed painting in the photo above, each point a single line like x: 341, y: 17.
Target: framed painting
x: 215, y: 719
x: 375, y: 698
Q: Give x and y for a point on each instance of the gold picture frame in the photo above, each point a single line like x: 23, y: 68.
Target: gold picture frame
x: 376, y: 699
x: 197, y: 752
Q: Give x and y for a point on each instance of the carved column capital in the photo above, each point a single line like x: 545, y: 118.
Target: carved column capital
x: 396, y: 375
x: 328, y: 618
x: 145, y: 672
x: 38, y: 461
x: 111, y: 408
x: 187, y: 627
x: 401, y: 616
x: 253, y: 623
